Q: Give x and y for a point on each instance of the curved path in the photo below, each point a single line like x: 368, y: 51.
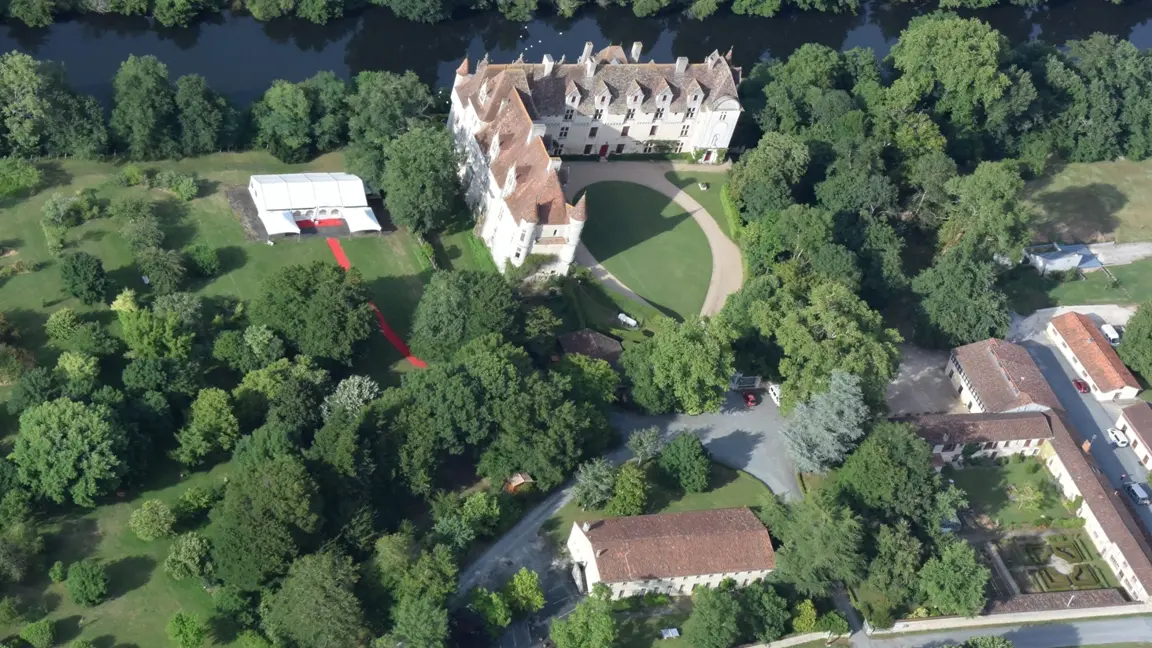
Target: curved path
x: 727, y: 266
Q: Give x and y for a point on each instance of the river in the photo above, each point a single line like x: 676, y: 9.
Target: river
x: 240, y: 56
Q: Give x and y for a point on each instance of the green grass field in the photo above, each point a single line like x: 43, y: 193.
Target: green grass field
x: 710, y: 200
x: 651, y: 244
x: 728, y: 488
x: 1028, y: 292
x: 1095, y: 201
x: 990, y: 492
x: 642, y: 629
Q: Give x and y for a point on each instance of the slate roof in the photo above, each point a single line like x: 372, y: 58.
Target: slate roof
x: 545, y: 94
x: 1094, y: 352
x: 943, y: 429
x: 671, y: 545
x: 1004, y: 375
x: 592, y: 344
x: 1139, y: 417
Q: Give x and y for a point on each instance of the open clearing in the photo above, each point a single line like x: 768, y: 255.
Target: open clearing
x: 1098, y: 201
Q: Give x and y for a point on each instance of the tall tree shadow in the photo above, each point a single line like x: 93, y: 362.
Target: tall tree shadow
x: 1086, y: 213
x: 129, y: 573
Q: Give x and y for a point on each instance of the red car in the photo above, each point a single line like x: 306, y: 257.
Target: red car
x: 749, y: 399
x: 1080, y: 386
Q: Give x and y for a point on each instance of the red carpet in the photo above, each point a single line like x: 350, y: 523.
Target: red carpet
x: 342, y: 260
x: 324, y: 222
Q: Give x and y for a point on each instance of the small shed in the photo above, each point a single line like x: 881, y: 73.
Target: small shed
x: 593, y: 344
x: 517, y: 481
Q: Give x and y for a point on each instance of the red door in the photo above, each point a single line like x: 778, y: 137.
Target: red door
x: 604, y: 151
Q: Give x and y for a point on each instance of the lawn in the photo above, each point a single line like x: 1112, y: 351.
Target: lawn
x: 991, y: 492
x: 729, y: 488
x: 709, y: 199
x: 1028, y: 291
x: 651, y: 244
x: 142, y: 597
x: 642, y: 629
x: 393, y: 271
x: 1095, y: 201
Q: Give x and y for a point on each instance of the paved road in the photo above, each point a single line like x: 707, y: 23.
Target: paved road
x: 1090, y: 417
x: 741, y: 437
x: 1048, y: 635
x: 727, y: 266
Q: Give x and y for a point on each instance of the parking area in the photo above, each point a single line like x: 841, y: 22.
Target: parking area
x: 921, y: 386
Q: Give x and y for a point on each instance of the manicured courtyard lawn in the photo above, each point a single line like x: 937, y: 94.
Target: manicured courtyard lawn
x: 728, y: 488
x: 1096, y: 201
x: 1028, y: 291
x: 651, y: 244
x: 991, y: 492
x: 141, y: 595
x: 709, y: 199
x: 393, y: 272
x: 641, y: 629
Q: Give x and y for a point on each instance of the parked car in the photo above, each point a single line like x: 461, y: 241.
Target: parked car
x: 1138, y: 493
x: 1111, y: 333
x: 1118, y: 438
x: 1080, y: 386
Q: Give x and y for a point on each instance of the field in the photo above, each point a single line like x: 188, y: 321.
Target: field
x: 728, y: 488
x: 1028, y: 291
x: 992, y: 492
x: 710, y: 199
x: 1087, y: 202
x: 651, y: 244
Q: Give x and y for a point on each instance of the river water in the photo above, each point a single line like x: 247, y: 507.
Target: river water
x: 240, y: 56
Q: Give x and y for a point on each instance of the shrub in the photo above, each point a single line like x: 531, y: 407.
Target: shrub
x: 41, y: 634
x: 131, y: 175
x: 87, y: 205
x: 13, y: 362
x: 804, y: 617
x: 203, y: 260
x: 186, y: 631
x: 9, y: 613
x: 834, y: 623
x: 61, y: 210
x: 186, y: 188
x: 87, y: 583
x: 54, y: 235
x: 152, y: 520
x: 57, y: 572
x: 196, y: 501
x: 84, y: 277
x: 188, y: 557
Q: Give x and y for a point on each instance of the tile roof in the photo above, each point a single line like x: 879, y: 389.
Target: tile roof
x: 1094, y: 352
x: 545, y: 94
x: 538, y: 196
x: 1004, y: 375
x: 670, y: 545
x: 1139, y: 417
x: 943, y: 429
x: 592, y: 344
x: 1057, y: 601
x: 1104, y: 501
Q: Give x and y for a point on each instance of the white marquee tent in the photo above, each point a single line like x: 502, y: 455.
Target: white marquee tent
x: 281, y: 200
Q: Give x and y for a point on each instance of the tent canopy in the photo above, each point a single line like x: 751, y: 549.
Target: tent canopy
x: 361, y: 219
x: 279, y: 222
x: 301, y: 191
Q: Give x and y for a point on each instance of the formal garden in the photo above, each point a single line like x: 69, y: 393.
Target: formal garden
x: 1012, y: 493
x: 1055, y: 562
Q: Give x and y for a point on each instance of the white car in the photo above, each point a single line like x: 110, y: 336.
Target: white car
x: 1118, y: 438
x: 1111, y: 333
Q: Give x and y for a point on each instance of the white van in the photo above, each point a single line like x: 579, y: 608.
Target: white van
x: 1111, y: 333
x: 1138, y: 493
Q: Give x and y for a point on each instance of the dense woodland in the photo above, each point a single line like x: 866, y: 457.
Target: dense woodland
x: 877, y: 206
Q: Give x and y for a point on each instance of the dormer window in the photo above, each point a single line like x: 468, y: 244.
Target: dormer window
x: 695, y: 98
x: 494, y: 150
x: 573, y: 99
x: 664, y: 97
x: 484, y: 93
x: 602, y: 100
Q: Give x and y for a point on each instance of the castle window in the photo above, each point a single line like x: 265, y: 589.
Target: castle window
x: 563, y: 132
x: 568, y: 114
x: 684, y: 130
x: 690, y: 114
x: 659, y: 113
x: 652, y: 131
x: 631, y: 114
x: 598, y: 115
x: 624, y: 131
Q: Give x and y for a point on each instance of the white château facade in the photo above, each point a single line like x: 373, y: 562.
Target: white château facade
x: 509, y: 120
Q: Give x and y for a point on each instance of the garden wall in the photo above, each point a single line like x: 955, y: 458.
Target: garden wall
x: 1010, y: 618
x: 794, y: 641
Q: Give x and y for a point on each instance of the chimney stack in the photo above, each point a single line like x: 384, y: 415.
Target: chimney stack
x: 537, y: 130
x: 587, y: 52
x: 586, y: 527
x: 637, y: 47
x: 681, y: 64
x: 554, y: 164
x: 589, y: 67
x: 548, y: 63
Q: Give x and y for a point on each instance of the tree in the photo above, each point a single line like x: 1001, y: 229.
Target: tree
x: 891, y: 474
x: 35, y: 386
x: 61, y: 325
x: 421, y: 188
x: 17, y: 176
x: 203, y: 260
x: 188, y: 556
x: 152, y: 521
x: 493, y: 609
x: 352, y: 395
x: 687, y: 364
x: 822, y: 542
x: 804, y: 617
x: 630, y: 493
x: 211, y: 427
x: 595, y: 482
x: 84, y: 277
x: 954, y: 581
x: 989, y: 641
x: 764, y: 612
x: 186, y: 630
x: 321, y: 309
x: 87, y: 582
x: 41, y: 634
x: 204, y: 116
x: 420, y: 622
x: 164, y: 268
x: 458, y: 307
x: 593, y: 380
x: 316, y: 606
x: 380, y: 107
x: 283, y: 120
x: 714, y: 620
x: 590, y: 625
x: 893, y: 572
x: 836, y: 331
x: 327, y: 95
x: 761, y: 182
x: 69, y: 450
x: 524, y: 593
x: 144, y: 118
x: 987, y: 212
x: 176, y: 13
x: 1136, y: 346
x: 645, y: 444
x: 960, y: 299
x: 821, y: 433
x: 685, y: 459
x: 432, y: 576
x: 77, y: 373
